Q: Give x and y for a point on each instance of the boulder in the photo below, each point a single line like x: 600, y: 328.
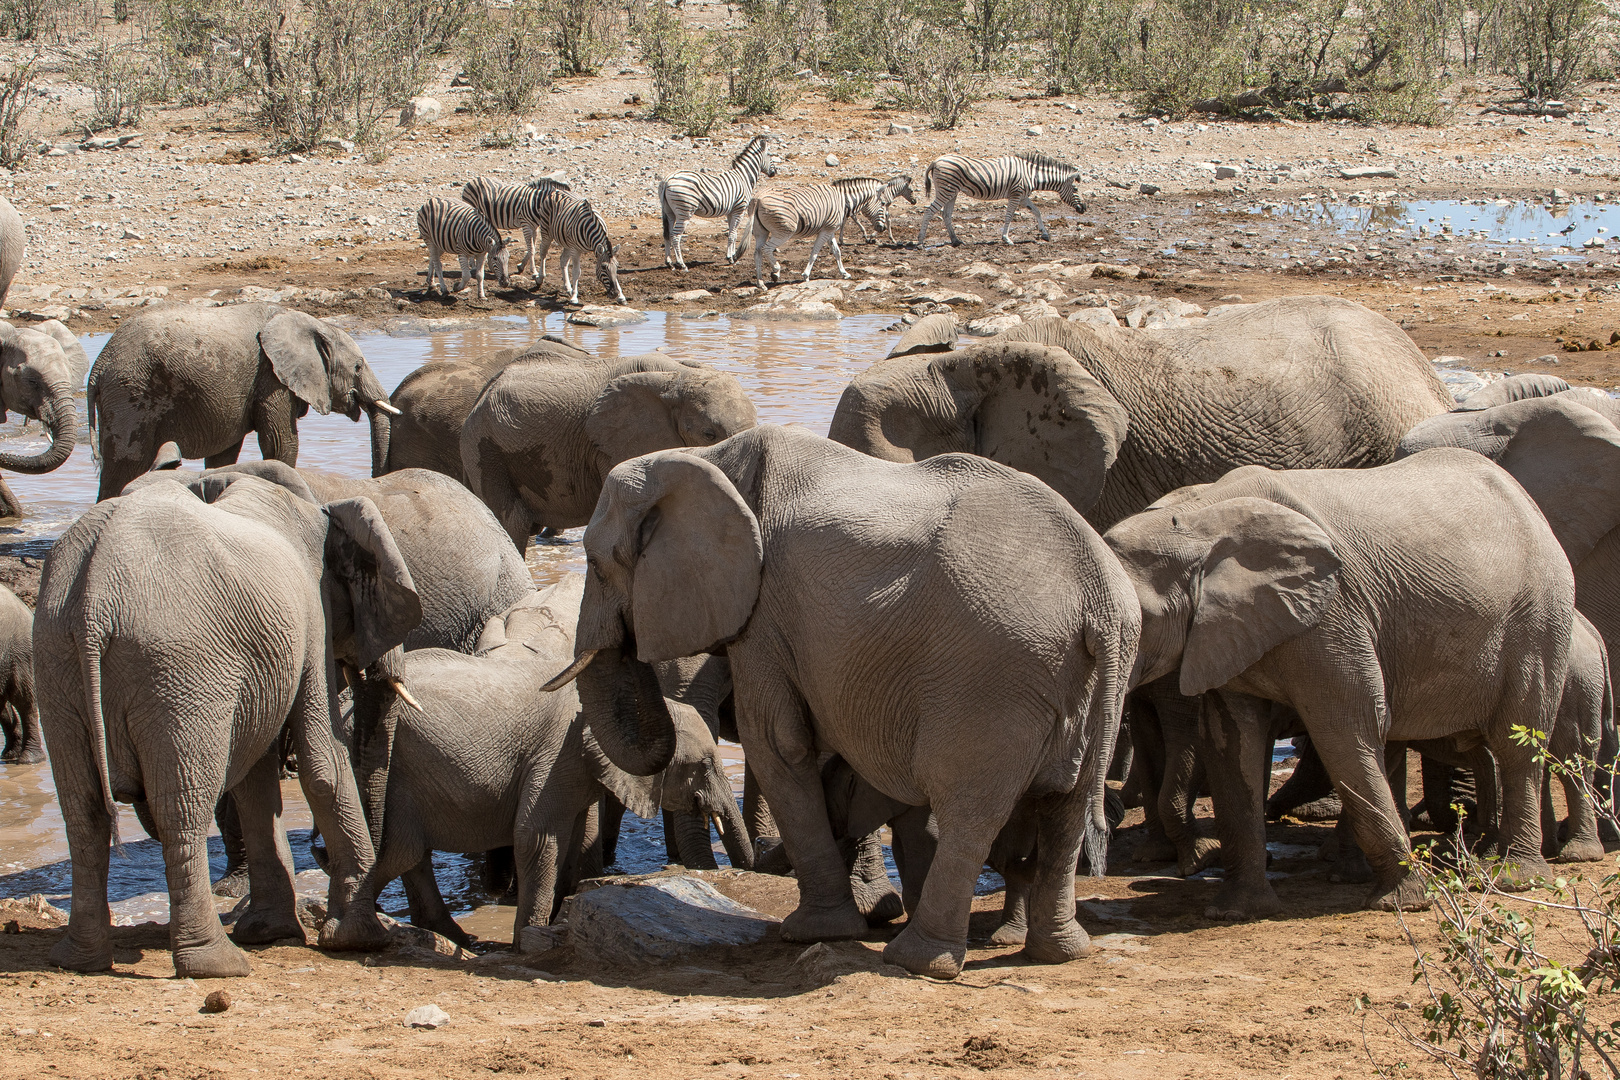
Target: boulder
x: 420, y: 110
x: 631, y: 921
x: 1368, y: 172
x: 991, y: 325
x: 1096, y: 316
x: 605, y: 317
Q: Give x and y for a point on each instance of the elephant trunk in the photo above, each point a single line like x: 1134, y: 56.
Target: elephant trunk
x: 61, y: 420
x: 376, y: 717
x: 374, y: 400
x: 692, y: 841
x: 729, y: 819
x: 626, y: 710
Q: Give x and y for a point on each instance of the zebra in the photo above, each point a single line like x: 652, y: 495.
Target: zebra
x: 875, y: 207
x: 709, y: 194
x: 1011, y: 178
x: 510, y: 206
x: 797, y: 213
x: 566, y: 219
x: 458, y: 229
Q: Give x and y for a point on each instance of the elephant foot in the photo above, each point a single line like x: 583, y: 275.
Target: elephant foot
x: 1517, y: 873
x: 1058, y: 947
x: 1200, y: 854
x: 884, y: 907
x: 1154, y: 849
x: 1351, y: 867
x: 234, y: 885
x: 446, y: 928
x: 924, y: 956
x: 1011, y: 932
x: 1405, y: 895
x: 258, y: 927
x: 1587, y: 850
x: 824, y: 924
x: 32, y: 754
x: 73, y: 956
x: 358, y: 931
x: 218, y: 959
x: 1240, y: 903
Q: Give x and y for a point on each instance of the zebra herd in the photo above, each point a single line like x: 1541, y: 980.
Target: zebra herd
x: 547, y: 211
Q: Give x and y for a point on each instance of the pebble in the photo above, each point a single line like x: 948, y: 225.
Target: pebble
x: 1149, y: 189
x: 217, y: 1002
x: 832, y: 161
x: 427, y: 1016
x: 899, y: 129
x: 1227, y: 172
x: 1035, y: 130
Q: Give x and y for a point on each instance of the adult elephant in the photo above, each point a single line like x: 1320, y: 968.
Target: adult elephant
x: 13, y: 245
x: 36, y: 382
x: 1372, y: 603
x: 1120, y: 417
x: 952, y: 629
x: 203, y: 378
x: 174, y: 641
x: 434, y: 400
x: 544, y: 435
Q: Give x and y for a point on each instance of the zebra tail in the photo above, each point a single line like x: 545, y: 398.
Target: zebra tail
x: 748, y: 233
x: 928, y: 181
x: 663, y: 209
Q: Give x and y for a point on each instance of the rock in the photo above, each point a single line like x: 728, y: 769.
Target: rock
x: 991, y: 325
x: 1560, y: 195
x: 404, y: 936
x: 1550, y: 358
x: 427, y: 1016
x: 131, y: 234
x: 217, y: 1002
x: 1121, y: 184
x: 1227, y: 172
x: 825, y: 962
x: 538, y: 939
x: 629, y: 921
x: 1461, y: 383
x: 420, y: 110
x: 690, y: 295
x: 1034, y: 131
x: 1149, y: 189
x: 979, y: 270
x: 944, y: 296
x: 312, y: 912
x: 1368, y: 172
x: 1595, y: 242
x: 1097, y: 316
x: 249, y: 294
x: 57, y: 207
x: 604, y: 317
x: 832, y: 161
x: 342, y: 145
x: 899, y: 129
x: 1449, y: 361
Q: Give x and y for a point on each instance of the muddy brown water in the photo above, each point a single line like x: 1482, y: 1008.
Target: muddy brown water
x: 794, y: 372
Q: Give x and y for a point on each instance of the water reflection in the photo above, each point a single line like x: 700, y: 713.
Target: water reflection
x: 1562, y: 227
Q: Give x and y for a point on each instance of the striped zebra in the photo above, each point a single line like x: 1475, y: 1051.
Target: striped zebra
x: 457, y: 229
x: 797, y: 213
x: 1011, y: 178
x: 510, y: 206
x: 568, y: 220
x: 708, y: 194
x: 875, y: 207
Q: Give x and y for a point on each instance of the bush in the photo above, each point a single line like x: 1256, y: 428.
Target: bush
x: 1548, y: 44
x: 584, y: 33
x: 122, y: 84
x: 507, y: 62
x: 27, y: 20
x: 848, y: 87
x: 683, y: 93
x: 1083, y: 41
x: 16, y: 96
x: 757, y: 63
x: 194, y: 61
x: 939, y: 79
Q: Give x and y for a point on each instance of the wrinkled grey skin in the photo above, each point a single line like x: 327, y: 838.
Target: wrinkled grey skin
x: 974, y: 610
x: 203, y: 378
x: 1513, y: 388
x: 1371, y: 603
x: 543, y: 434
x: 174, y: 640
x: 434, y: 401
x: 19, y: 715
x: 37, y: 382
x: 13, y: 245
x: 491, y: 760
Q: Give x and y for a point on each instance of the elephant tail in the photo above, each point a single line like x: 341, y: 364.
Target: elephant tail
x: 90, y: 419
x: 90, y: 664
x: 1110, y: 680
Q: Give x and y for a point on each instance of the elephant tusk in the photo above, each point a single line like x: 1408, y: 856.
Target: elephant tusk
x: 387, y: 407
x: 399, y: 688
x: 719, y: 826
x: 571, y: 672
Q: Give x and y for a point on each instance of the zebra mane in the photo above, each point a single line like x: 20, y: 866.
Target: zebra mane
x: 1046, y: 161
x: 757, y: 141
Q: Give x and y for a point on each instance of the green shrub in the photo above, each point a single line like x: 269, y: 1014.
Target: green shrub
x: 939, y: 79
x: 506, y: 59
x: 122, y: 81
x: 684, y: 93
x: 1548, y: 44
x: 583, y: 33
x: 27, y: 20
x: 16, y: 98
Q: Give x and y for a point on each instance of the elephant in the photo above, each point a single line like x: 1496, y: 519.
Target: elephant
x: 543, y: 435
x: 13, y: 245
x: 37, y: 382
x: 180, y: 629
x: 434, y: 401
x: 19, y: 713
x: 908, y: 617
x: 205, y: 377
x: 1375, y: 604
x: 479, y: 758
x: 78, y: 360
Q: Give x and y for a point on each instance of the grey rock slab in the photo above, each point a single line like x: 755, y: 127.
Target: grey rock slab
x: 658, y: 919
x: 1368, y: 172
x: 427, y: 1016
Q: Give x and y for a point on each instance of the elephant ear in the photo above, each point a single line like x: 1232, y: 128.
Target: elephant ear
x: 632, y: 416
x: 1568, y: 458
x: 641, y: 795
x: 382, y: 596
x: 694, y: 548
x: 1532, y: 384
x: 210, y: 484
x: 297, y: 350
x: 931, y: 334
x: 1035, y: 409
x: 71, y: 348
x: 1269, y: 574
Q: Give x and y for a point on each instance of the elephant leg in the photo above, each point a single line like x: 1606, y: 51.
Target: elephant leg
x: 1119, y: 768
x: 31, y: 746
x: 1061, y: 826
x: 1147, y: 739
x: 201, y: 949
x: 1350, y: 864
x: 272, y: 912
x: 611, y: 818
x: 543, y: 827
x: 225, y: 457
x: 1581, y: 842
x: 1520, y: 823
x: 1439, y: 781
x: 756, y: 811
x: 1183, y: 779
x: 428, y: 909
x: 1013, y: 857
x: 234, y: 882
x: 672, y: 849
x: 87, y: 945
x: 1236, y: 735
x: 916, y: 838
x: 869, y: 881
x: 934, y: 941
x: 782, y: 750
x: 10, y: 506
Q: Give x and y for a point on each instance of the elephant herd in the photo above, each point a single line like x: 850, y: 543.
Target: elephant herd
x: 940, y: 619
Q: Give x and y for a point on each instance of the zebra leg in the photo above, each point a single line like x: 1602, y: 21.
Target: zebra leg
x: 677, y: 232
x: 571, y: 270
x: 466, y: 271
x: 478, y: 268
x: 731, y: 235
x: 528, y: 256
x: 540, y: 265
x: 950, y: 230
x: 436, y: 270
x: 1029, y: 201
x: 1006, y: 225
x: 815, y: 249
x: 759, y: 255
x: 838, y: 256
x: 928, y: 215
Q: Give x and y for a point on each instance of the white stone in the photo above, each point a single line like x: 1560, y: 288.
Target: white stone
x: 899, y: 129
x: 991, y: 325
x: 604, y: 317
x: 427, y: 1016
x: 1034, y: 130
x: 832, y: 161
x: 690, y: 295
x: 1097, y: 316
x: 1368, y: 172
x: 421, y: 110
x: 630, y: 921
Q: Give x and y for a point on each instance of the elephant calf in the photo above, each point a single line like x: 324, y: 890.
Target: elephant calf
x: 1425, y: 599
x: 484, y: 758
x: 20, y: 716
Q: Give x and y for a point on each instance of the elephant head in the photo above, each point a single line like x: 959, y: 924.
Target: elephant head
x: 674, y: 557
x: 1028, y: 406
x: 1221, y: 583
x: 36, y: 381
x: 1565, y: 455
x: 324, y: 368
x: 675, y: 404
x: 1514, y: 388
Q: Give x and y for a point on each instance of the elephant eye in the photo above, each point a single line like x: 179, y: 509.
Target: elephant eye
x: 710, y: 433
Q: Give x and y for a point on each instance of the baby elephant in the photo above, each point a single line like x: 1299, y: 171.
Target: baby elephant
x: 484, y: 758
x: 19, y: 716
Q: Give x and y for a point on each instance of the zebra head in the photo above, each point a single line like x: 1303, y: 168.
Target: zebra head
x: 1067, y: 193
x: 500, y: 254
x: 756, y: 155
x: 607, y: 270
x: 898, y: 187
